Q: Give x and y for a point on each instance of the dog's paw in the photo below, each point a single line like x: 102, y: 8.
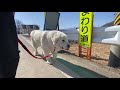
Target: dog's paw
x: 35, y: 54
x: 51, y: 56
x: 42, y: 54
x: 48, y: 62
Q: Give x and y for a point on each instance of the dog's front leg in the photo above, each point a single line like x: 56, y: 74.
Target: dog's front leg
x: 36, y: 52
x: 49, y: 59
x: 54, y: 55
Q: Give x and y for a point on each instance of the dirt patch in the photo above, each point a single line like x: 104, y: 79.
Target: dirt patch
x: 100, y: 52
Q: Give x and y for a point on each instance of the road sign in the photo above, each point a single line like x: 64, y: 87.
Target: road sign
x: 85, y: 28
x: 85, y: 33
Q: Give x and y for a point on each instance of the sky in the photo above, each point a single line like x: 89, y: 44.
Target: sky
x: 67, y: 19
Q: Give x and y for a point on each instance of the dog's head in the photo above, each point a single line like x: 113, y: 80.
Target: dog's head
x: 60, y: 40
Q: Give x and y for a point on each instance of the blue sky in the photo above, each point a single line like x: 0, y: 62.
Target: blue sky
x: 67, y: 19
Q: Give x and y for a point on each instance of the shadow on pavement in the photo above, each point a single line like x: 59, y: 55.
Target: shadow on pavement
x: 81, y: 71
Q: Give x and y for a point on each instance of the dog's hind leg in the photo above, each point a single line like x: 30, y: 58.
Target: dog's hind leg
x: 35, y: 47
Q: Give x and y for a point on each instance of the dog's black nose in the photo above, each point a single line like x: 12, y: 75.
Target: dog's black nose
x: 68, y: 46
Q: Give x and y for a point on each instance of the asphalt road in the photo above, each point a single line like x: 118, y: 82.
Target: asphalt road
x: 66, y: 66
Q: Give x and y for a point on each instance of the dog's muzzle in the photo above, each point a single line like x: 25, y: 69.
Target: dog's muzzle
x: 68, y: 46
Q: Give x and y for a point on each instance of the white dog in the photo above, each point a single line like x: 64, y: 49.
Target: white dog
x: 50, y: 42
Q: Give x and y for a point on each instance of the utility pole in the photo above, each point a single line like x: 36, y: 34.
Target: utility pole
x: 114, y: 58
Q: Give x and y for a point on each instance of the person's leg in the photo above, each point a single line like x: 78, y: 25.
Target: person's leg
x: 9, y: 53
x: 8, y: 67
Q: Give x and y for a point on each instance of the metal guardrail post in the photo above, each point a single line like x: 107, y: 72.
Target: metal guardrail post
x: 114, y: 58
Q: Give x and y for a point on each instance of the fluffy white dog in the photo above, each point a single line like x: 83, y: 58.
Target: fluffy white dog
x: 50, y: 42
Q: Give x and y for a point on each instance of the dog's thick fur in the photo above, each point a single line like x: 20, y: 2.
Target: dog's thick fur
x: 50, y: 42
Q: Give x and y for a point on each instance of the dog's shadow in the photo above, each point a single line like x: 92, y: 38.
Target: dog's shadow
x: 80, y: 71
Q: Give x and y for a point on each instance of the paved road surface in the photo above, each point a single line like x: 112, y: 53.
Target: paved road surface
x: 66, y: 66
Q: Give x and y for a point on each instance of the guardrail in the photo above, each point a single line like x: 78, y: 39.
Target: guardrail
x: 105, y: 35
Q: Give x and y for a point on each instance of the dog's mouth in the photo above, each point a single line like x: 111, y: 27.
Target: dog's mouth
x: 65, y: 49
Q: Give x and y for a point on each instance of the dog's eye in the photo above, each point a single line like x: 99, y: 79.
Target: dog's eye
x: 63, y: 40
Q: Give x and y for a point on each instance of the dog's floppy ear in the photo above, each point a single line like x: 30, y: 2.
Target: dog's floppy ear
x: 55, y: 39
